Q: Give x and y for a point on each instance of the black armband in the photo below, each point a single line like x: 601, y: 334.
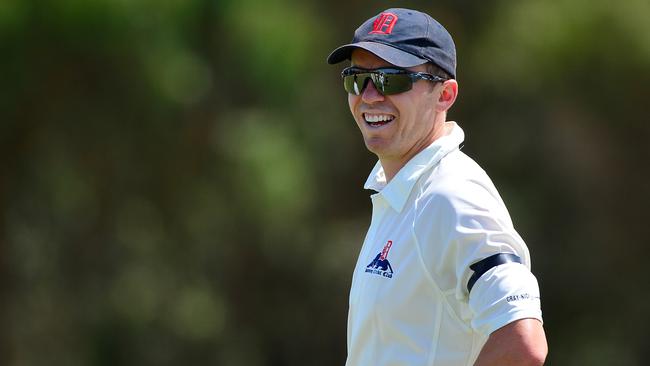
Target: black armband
x: 488, y: 263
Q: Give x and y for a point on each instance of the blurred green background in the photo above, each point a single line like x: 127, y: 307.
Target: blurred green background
x: 181, y: 181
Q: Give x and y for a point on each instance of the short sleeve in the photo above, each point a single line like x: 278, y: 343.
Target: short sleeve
x: 502, y: 295
x: 471, y: 224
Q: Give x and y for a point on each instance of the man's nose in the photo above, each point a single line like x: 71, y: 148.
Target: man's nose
x: 371, y: 94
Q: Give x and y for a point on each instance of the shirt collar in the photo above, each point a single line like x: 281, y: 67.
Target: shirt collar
x: 399, y: 188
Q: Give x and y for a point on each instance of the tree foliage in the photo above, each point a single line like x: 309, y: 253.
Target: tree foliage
x: 180, y: 181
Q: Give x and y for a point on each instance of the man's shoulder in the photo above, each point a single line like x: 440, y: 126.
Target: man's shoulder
x: 454, y: 170
x: 457, y: 180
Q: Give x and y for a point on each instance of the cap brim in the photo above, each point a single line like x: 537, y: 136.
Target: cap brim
x: 387, y: 53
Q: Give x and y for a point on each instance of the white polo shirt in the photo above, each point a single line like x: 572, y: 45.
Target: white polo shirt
x: 409, y: 302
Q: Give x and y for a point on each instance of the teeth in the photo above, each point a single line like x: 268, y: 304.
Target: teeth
x: 374, y: 118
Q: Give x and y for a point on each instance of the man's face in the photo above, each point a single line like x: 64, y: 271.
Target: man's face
x: 395, y: 127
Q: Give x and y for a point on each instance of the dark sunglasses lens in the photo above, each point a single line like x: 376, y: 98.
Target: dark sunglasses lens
x: 396, y: 83
x: 355, y: 83
x: 385, y: 84
x: 349, y: 84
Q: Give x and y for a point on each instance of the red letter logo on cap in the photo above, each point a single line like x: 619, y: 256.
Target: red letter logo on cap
x: 384, y: 23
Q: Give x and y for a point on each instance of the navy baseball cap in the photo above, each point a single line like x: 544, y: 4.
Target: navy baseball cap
x: 404, y: 38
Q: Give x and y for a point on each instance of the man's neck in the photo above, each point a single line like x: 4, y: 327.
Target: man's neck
x: 392, y: 165
x: 391, y: 168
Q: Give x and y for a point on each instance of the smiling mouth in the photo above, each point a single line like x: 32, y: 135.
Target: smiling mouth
x: 377, y: 120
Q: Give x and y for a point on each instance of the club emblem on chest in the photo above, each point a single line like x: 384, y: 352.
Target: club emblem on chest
x: 380, y: 265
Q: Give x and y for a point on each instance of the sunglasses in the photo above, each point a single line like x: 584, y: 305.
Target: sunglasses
x: 387, y: 81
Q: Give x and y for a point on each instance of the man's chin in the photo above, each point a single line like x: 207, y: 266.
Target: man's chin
x: 377, y: 146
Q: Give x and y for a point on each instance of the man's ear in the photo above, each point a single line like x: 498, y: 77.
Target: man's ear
x: 448, y: 95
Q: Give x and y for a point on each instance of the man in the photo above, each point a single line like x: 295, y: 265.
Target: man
x: 442, y: 278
